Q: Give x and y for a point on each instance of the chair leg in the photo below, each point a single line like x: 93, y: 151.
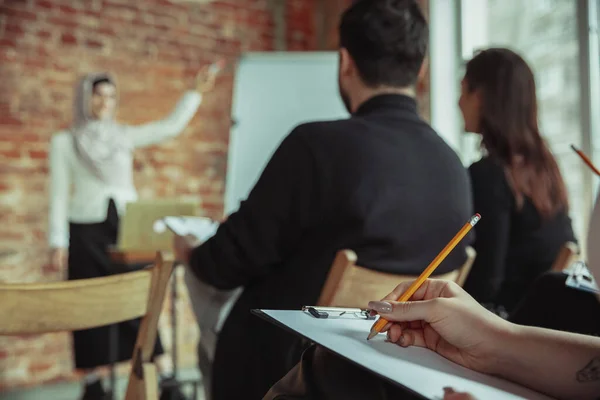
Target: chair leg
x: 150, y: 382
x: 144, y: 387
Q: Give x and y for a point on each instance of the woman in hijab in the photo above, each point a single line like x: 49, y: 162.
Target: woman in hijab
x: 91, y: 180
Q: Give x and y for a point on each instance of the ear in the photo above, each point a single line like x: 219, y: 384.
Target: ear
x: 478, y: 94
x: 346, y: 63
x: 421, y: 81
x: 423, y: 70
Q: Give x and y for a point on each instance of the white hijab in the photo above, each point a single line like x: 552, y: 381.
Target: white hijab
x: 102, y: 145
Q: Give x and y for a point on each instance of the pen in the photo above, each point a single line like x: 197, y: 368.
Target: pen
x: 381, y: 322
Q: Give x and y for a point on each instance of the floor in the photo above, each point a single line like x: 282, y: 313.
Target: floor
x: 72, y: 390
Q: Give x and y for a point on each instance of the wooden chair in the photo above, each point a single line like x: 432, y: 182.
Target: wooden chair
x: 87, y: 303
x: 349, y: 285
x: 566, y: 256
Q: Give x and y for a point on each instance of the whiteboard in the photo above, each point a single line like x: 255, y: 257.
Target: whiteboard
x: 274, y: 92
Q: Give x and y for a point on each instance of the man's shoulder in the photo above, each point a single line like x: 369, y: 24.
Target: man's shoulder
x: 320, y: 130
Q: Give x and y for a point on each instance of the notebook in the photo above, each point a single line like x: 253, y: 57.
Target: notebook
x: 417, y: 369
x: 200, y: 227
x: 136, y: 228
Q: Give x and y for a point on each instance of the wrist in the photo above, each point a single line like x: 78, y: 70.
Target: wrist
x: 187, y: 255
x: 506, y: 349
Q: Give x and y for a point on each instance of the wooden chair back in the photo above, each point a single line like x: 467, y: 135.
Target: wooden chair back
x: 349, y: 285
x: 566, y: 256
x: 36, y: 308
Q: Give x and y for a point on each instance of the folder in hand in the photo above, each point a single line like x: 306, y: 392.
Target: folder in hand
x: 200, y: 227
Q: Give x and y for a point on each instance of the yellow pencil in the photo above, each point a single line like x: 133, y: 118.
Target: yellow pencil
x: 382, y: 322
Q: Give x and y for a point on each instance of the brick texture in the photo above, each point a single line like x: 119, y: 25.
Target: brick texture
x: 154, y: 47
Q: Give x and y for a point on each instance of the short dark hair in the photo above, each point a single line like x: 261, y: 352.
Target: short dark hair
x: 387, y: 39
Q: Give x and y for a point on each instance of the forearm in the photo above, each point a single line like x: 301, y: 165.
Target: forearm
x: 158, y: 131
x: 60, y: 182
x: 58, y: 224
x: 561, y: 364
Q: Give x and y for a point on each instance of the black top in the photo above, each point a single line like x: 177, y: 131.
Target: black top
x: 381, y: 183
x: 513, y: 246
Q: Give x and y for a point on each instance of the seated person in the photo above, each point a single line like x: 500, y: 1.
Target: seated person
x: 382, y: 183
x: 517, y: 185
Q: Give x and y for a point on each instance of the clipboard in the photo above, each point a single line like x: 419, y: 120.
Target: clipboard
x: 417, y: 370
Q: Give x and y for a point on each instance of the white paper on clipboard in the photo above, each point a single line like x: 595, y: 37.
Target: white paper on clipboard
x: 201, y: 227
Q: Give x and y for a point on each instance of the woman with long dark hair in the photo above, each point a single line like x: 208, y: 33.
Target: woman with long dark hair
x: 517, y: 185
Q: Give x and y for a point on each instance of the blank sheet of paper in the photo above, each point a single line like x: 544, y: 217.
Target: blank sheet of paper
x: 418, y: 369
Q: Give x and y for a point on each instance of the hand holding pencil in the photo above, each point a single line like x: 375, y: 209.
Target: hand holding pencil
x: 405, y: 296
x: 442, y: 317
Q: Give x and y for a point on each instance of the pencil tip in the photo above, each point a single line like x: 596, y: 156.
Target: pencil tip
x: 372, y: 334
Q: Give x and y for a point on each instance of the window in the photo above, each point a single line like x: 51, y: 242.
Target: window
x: 550, y: 81
x: 544, y: 6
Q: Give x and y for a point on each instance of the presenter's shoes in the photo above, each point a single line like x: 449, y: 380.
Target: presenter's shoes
x: 94, y: 391
x: 170, y: 390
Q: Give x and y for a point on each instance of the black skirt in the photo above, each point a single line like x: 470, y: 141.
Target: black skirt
x: 89, y: 258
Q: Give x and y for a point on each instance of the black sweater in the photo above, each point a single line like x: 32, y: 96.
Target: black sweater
x: 513, y: 246
x: 381, y: 183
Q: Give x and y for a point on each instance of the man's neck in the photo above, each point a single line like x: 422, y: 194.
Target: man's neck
x: 367, y: 94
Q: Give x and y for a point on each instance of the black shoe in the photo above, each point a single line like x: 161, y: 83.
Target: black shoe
x: 171, y: 390
x: 94, y: 391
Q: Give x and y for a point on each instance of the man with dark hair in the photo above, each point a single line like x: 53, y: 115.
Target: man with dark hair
x: 381, y: 183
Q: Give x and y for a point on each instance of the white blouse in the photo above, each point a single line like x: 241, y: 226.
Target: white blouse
x: 78, y: 195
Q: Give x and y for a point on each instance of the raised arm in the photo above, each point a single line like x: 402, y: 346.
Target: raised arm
x: 175, y: 123
x: 60, y: 184
x: 171, y: 126
x: 256, y: 238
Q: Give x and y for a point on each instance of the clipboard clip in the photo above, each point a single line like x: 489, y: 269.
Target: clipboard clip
x: 338, y: 312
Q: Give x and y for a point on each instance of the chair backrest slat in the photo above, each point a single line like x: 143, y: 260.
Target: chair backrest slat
x: 349, y: 285
x: 73, y: 305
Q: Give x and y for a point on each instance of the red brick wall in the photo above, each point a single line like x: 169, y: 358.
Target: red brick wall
x: 154, y: 47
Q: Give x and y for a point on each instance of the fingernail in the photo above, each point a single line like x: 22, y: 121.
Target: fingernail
x: 380, y: 306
